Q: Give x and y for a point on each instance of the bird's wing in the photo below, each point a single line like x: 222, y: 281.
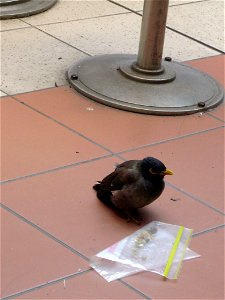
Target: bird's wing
x: 124, y: 174
x: 124, y: 177
x: 106, y: 183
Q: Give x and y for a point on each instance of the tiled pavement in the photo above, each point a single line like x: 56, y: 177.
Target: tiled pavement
x: 57, y: 143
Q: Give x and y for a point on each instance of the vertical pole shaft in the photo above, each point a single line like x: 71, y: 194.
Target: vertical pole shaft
x: 152, y: 34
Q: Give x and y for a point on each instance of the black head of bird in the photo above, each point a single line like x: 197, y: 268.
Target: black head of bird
x: 133, y: 184
x: 153, y: 168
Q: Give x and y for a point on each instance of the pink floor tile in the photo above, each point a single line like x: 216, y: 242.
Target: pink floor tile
x: 213, y: 65
x: 218, y: 112
x: 200, y: 278
x: 29, y: 258
x: 198, y: 164
x: 87, y: 286
x: 32, y: 143
x: 113, y: 128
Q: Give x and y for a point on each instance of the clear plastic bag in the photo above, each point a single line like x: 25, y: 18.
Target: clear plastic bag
x: 157, y: 247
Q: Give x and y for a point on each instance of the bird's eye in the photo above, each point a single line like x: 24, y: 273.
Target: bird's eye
x: 152, y: 171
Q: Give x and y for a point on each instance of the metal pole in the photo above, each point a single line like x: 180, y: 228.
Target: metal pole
x: 152, y: 34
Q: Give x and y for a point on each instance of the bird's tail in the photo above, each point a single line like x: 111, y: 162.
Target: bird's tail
x: 97, y: 186
x: 103, y: 194
x: 105, y: 197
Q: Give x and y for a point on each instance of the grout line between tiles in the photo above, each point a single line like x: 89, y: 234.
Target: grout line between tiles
x: 180, y: 4
x: 195, y: 40
x: 49, y: 235
x: 130, y: 150
x: 172, y: 29
x: 90, y: 269
x: 191, y: 196
x: 135, y: 11
x: 28, y: 92
x: 139, y: 11
x: 67, y: 277
x: 58, y: 39
x: 208, y: 230
x: 15, y: 29
x: 55, y: 169
x: 123, y: 159
x: 123, y: 6
x: 79, y: 254
x: 6, y: 94
x: 75, y: 20
x: 59, y: 85
x: 117, y: 154
x: 134, y: 289
x: 43, y: 231
x: 51, y: 282
x: 63, y: 125
x: 112, y: 154
x: 215, y: 117
x: 205, y: 203
x: 170, y: 139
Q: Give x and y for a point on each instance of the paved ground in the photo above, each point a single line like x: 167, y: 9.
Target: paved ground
x: 57, y: 143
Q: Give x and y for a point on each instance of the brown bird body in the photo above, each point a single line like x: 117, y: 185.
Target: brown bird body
x: 133, y: 184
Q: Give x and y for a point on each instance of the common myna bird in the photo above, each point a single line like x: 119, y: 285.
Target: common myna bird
x: 133, y: 184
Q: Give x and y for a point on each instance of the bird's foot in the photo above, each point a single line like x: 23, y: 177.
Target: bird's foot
x: 137, y: 219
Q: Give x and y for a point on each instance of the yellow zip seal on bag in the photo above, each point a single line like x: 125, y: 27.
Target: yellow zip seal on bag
x: 174, y: 250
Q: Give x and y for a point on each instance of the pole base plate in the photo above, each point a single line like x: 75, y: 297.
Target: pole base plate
x: 101, y: 79
x: 10, y: 9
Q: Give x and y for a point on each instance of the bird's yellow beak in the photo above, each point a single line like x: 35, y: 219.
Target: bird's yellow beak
x: 167, y: 172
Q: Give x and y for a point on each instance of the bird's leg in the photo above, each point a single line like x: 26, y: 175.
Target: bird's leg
x: 133, y: 216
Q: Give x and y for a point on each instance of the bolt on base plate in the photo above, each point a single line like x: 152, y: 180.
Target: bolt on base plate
x: 101, y: 79
x: 23, y: 8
